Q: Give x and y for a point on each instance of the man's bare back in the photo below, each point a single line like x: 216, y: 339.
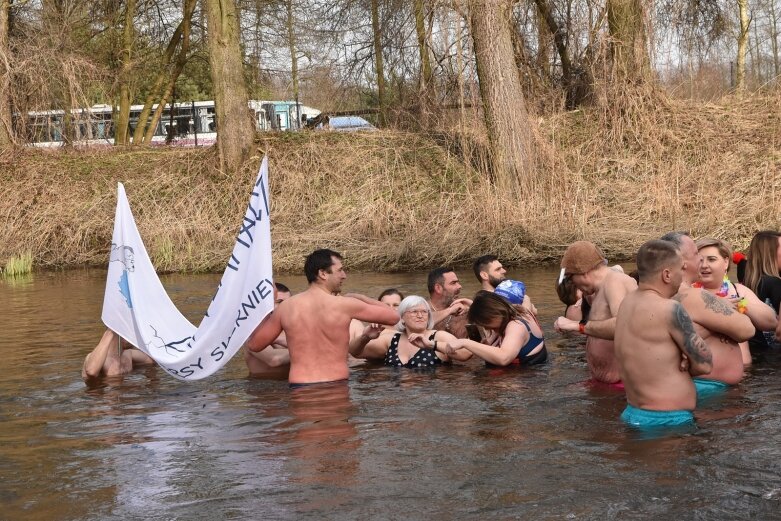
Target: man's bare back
x: 656, y: 346
x: 652, y: 334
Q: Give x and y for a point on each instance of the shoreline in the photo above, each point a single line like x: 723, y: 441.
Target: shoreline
x: 394, y: 201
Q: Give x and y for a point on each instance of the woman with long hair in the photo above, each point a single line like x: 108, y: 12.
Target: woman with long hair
x: 511, y: 334
x: 716, y: 257
x: 413, y: 344
x: 762, y: 277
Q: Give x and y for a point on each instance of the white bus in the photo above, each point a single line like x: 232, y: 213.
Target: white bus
x: 191, y: 124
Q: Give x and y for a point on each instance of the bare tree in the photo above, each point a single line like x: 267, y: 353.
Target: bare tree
x: 426, y: 84
x: 235, y: 127
x: 165, y: 82
x: 122, y: 136
x: 378, y: 63
x: 506, y: 118
x: 740, y: 67
x: 629, y: 42
x: 6, y: 130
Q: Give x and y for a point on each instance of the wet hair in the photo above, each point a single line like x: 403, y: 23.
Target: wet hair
x: 319, y: 260
x: 762, y: 258
x: 482, y: 263
x: 487, y: 306
x: 567, y: 291
x: 281, y: 287
x: 437, y: 276
x: 390, y: 291
x: 724, y: 249
x: 409, y: 303
x: 653, y: 256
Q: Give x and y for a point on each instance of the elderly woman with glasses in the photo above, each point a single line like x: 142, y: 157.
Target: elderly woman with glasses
x: 413, y: 344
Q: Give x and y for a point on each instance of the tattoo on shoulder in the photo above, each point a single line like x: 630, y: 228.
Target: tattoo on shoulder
x: 716, y: 304
x: 678, y: 297
x: 693, y: 344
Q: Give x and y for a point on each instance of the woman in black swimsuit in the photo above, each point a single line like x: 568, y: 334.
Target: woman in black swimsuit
x: 762, y: 276
x: 414, y: 344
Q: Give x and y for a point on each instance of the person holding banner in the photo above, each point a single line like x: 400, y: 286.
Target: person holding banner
x: 110, y: 359
x: 274, y: 361
x: 317, y: 322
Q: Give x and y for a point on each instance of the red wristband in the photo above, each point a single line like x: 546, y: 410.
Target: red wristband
x: 582, y: 328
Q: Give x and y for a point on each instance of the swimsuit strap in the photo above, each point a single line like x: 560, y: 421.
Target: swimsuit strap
x: 393, y: 348
x: 432, y: 336
x: 522, y: 321
x: 528, y: 328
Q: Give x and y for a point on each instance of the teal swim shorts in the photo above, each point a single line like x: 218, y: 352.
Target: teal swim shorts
x: 642, y: 418
x: 708, y: 388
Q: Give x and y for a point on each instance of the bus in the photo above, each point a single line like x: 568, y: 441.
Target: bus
x: 181, y: 124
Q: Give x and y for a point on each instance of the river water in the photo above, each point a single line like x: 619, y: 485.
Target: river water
x: 463, y: 442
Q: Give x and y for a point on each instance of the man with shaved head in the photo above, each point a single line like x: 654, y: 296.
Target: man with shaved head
x: 656, y: 346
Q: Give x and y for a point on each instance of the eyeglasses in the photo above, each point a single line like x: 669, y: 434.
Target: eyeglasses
x: 417, y: 312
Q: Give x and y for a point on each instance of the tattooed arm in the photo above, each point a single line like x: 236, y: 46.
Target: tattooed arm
x: 690, y: 343
x: 716, y: 315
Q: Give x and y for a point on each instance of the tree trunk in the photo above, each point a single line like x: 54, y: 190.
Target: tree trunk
x: 740, y: 68
x: 121, y: 137
x: 235, y: 127
x: 6, y: 128
x: 142, y: 128
x: 510, y: 130
x: 426, y: 85
x: 291, y: 43
x: 774, y: 40
x: 54, y: 19
x: 628, y: 49
x: 145, y: 130
x: 543, y: 54
x: 181, y: 61
x: 378, y: 66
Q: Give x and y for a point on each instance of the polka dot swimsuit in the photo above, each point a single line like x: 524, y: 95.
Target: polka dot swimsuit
x: 423, y: 358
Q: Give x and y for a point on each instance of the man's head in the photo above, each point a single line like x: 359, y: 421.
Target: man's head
x: 281, y: 293
x: 325, y: 267
x: 488, y: 269
x: 579, y: 261
x: 689, y: 253
x: 659, y: 264
x: 443, y: 284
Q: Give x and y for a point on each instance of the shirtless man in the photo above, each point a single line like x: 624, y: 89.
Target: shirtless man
x: 715, y: 320
x: 490, y: 273
x: 109, y: 358
x: 656, y: 346
x: 273, y: 361
x: 449, y: 310
x: 587, y: 267
x: 316, y: 322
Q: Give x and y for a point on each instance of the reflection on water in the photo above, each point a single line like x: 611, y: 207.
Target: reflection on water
x: 464, y: 441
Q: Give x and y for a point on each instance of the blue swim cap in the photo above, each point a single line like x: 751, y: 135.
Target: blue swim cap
x: 512, y: 290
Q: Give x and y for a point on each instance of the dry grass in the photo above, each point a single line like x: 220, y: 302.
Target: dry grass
x: 401, y: 201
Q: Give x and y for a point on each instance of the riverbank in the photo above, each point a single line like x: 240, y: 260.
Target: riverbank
x: 396, y: 201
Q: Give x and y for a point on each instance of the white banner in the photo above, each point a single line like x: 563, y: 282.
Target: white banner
x: 137, y: 307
